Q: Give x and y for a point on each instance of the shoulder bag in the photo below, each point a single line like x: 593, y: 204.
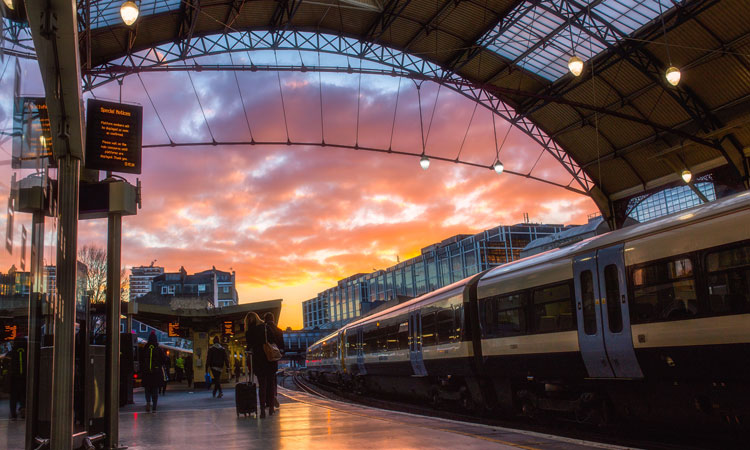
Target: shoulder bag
x: 271, y: 350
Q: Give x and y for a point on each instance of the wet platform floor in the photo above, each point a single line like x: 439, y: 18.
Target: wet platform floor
x: 195, y: 420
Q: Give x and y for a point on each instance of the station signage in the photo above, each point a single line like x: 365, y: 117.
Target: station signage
x: 228, y: 328
x: 174, y: 329
x: 32, y: 136
x: 113, y: 136
x: 10, y: 332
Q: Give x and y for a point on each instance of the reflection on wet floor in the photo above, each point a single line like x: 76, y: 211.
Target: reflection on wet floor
x: 196, y: 420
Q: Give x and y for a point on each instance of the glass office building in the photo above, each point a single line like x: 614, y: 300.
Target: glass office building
x: 438, y: 265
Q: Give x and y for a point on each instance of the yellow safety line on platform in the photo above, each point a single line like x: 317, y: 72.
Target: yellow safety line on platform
x: 512, y: 444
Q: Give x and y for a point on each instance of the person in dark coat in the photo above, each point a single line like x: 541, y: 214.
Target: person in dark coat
x: 17, y: 375
x: 278, y: 338
x: 216, y: 359
x: 151, y: 368
x: 256, y: 333
x: 189, y: 370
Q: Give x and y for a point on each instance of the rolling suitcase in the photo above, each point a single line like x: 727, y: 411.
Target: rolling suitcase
x: 246, y: 396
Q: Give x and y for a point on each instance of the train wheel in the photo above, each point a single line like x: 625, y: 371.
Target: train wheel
x: 467, y: 402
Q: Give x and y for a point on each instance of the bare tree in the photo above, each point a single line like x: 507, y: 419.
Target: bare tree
x: 95, y: 279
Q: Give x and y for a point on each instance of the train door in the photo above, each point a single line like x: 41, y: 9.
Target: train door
x: 604, y: 333
x: 588, y: 312
x: 343, y: 350
x: 360, y: 352
x: 415, y: 344
x: 618, y: 338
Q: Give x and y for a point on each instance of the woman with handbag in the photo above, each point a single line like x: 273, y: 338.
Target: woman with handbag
x: 259, y: 343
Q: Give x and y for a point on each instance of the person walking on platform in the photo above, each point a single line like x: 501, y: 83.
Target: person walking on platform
x: 189, y: 370
x: 278, y: 339
x: 216, y: 360
x: 257, y: 334
x: 152, y: 371
x: 164, y: 373
x: 179, y: 368
x: 17, y: 377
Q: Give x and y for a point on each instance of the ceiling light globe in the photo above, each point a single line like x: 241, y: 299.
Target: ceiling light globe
x: 499, y: 167
x: 424, y: 162
x: 9, y: 4
x: 575, y: 64
x: 129, y: 12
x: 687, y: 175
x: 673, y: 75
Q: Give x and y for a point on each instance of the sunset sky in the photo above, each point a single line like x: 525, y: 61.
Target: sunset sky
x: 291, y: 221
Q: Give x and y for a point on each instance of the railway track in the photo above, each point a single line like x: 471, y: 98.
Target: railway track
x: 631, y: 436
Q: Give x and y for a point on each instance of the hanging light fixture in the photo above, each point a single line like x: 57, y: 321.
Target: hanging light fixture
x: 575, y: 64
x: 9, y: 4
x: 424, y: 161
x: 673, y: 75
x: 128, y: 12
x: 687, y: 175
x: 498, y: 166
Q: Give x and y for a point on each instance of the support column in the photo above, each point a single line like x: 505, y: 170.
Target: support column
x: 61, y: 433
x: 35, y: 328
x: 111, y: 399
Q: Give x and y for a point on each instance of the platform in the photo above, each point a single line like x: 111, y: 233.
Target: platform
x: 193, y: 419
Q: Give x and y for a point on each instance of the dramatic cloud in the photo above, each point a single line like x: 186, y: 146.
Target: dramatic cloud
x: 292, y: 220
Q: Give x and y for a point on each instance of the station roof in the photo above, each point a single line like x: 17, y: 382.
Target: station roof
x: 620, y: 121
x: 199, y: 319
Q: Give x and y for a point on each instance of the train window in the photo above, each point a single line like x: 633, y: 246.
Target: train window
x: 429, y: 331
x: 510, y: 319
x: 487, y: 314
x: 351, y: 342
x: 553, y: 309
x: 614, y: 310
x: 446, y: 327
x: 664, y: 291
x: 729, y: 280
x: 403, y: 335
x: 587, y: 298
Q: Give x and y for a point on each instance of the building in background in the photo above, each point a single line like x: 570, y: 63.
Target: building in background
x: 208, y: 289
x: 141, y: 278
x: 438, y: 265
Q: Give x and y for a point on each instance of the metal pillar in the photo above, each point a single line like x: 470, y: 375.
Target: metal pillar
x: 112, y: 392
x: 35, y: 328
x: 61, y: 433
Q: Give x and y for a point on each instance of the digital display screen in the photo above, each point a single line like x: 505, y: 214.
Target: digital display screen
x: 10, y: 332
x: 32, y: 137
x: 228, y: 328
x: 113, y: 136
x: 174, y: 329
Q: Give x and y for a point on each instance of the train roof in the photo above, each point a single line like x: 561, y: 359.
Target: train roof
x: 682, y: 218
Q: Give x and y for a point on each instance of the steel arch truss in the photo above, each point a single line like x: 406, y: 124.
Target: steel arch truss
x: 164, y: 57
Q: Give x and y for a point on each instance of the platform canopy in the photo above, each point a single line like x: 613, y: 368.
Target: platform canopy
x: 160, y: 316
x: 619, y: 128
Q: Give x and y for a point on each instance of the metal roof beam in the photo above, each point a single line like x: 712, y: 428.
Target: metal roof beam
x: 559, y: 12
x: 428, y: 27
x: 473, y: 47
x: 385, y: 19
x: 234, y: 11
x: 614, y: 55
x: 189, y: 10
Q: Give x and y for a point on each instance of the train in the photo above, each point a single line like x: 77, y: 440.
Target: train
x: 649, y: 323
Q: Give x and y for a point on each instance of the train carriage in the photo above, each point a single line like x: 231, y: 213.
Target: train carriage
x: 650, y: 321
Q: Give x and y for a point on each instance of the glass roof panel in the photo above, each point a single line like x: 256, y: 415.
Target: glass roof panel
x: 541, y: 35
x: 107, y: 12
